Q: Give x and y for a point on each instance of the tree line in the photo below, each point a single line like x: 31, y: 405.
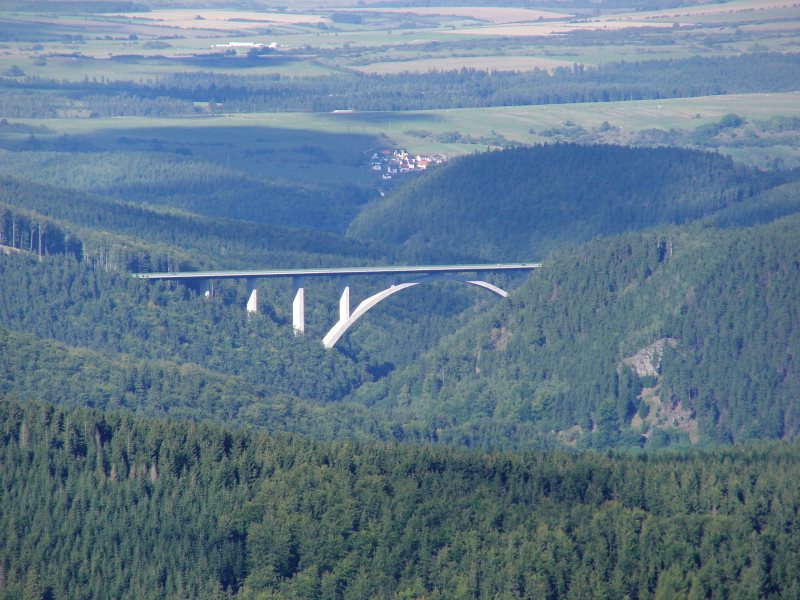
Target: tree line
x: 465, y: 88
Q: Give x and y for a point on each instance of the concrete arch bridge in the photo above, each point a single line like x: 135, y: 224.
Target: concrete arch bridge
x: 201, y: 281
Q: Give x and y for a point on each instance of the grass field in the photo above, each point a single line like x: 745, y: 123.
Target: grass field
x: 490, y: 14
x: 222, y: 19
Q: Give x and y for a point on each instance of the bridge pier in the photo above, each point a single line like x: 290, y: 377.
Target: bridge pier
x: 201, y: 286
x: 299, y: 307
x: 344, y: 304
x: 252, y: 300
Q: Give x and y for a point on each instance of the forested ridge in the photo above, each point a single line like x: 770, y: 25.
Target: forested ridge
x: 679, y: 331
x: 99, y: 504
x: 204, y: 241
x: 719, y: 304
x: 114, y: 313
x: 522, y: 203
x: 625, y: 424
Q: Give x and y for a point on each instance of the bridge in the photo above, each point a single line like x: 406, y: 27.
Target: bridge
x: 201, y: 281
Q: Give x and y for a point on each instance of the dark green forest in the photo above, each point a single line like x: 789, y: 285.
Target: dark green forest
x: 99, y: 504
x: 624, y: 425
x: 524, y: 202
x: 718, y: 304
x: 706, y: 296
x: 551, y: 359
x: 190, y: 185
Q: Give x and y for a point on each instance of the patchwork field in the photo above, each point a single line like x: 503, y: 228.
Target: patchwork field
x: 203, y: 18
x: 559, y: 27
x: 494, y: 14
x: 326, y: 38
x: 319, y: 37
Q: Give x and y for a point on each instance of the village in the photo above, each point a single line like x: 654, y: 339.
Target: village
x: 391, y: 163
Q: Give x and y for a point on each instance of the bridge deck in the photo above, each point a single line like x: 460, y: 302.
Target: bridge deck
x: 339, y: 271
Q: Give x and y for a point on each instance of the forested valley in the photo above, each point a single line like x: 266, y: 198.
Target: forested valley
x: 624, y: 424
x: 620, y: 341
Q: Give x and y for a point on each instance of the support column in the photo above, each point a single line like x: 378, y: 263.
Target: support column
x: 344, y: 305
x: 252, y: 301
x: 299, y: 308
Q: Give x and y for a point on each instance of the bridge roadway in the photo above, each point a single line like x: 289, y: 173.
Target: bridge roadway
x: 201, y: 279
x: 340, y: 271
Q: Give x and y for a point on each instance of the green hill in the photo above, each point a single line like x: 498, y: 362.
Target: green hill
x: 523, y: 203
x: 658, y: 337
x: 678, y: 335
x: 108, y: 226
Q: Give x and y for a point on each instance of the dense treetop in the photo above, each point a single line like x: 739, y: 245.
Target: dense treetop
x: 546, y: 367
x: 113, y: 505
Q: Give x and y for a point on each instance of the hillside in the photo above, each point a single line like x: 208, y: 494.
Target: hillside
x: 112, y: 505
x: 191, y: 184
x: 623, y: 424
x: 673, y: 335
x: 649, y: 338
x: 109, y: 226
x: 523, y: 203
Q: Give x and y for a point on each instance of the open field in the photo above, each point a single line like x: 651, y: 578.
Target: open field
x: 309, y: 40
x: 722, y: 8
x: 203, y: 18
x: 558, y: 27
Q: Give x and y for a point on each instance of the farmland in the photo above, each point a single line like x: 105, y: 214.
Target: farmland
x: 317, y: 40
x: 326, y: 146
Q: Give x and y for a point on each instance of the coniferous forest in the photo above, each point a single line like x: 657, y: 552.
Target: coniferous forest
x: 107, y: 504
x: 624, y: 424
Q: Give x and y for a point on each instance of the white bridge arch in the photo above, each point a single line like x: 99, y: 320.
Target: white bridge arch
x: 347, y: 319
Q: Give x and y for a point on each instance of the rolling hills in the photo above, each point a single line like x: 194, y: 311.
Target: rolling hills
x: 626, y: 424
x: 700, y: 291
